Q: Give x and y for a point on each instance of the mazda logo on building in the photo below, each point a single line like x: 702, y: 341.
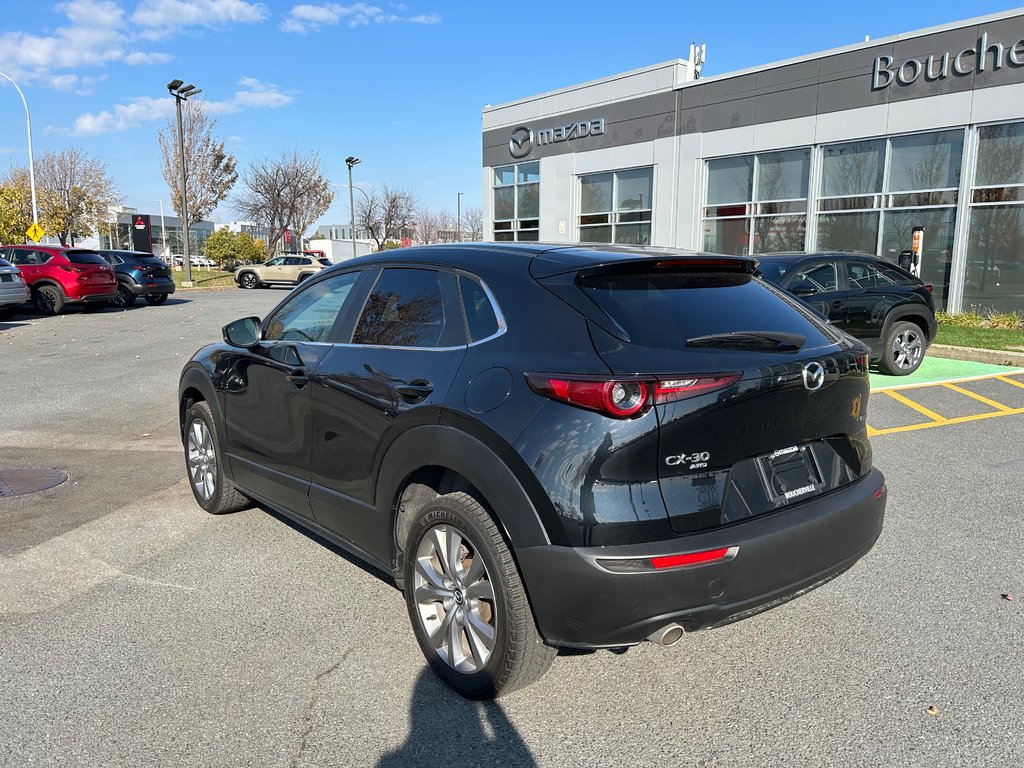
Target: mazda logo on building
x: 814, y: 376
x: 521, y: 142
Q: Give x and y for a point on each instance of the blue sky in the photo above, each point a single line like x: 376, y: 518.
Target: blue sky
x: 400, y: 85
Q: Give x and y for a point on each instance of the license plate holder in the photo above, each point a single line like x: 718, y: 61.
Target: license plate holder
x: 790, y: 474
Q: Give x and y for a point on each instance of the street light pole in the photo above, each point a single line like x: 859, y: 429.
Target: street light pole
x: 182, y: 93
x: 351, y: 161
x: 163, y: 229
x: 458, y: 216
x: 31, y: 164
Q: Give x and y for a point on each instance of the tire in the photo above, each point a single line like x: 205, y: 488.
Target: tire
x: 904, y: 349
x: 204, y: 465
x: 125, y: 296
x: 249, y: 280
x: 156, y: 299
x: 438, y: 595
x: 49, y: 299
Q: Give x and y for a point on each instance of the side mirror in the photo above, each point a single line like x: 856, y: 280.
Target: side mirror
x: 803, y: 290
x: 245, y: 333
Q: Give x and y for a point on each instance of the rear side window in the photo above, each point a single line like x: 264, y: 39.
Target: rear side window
x: 405, y: 309
x: 820, y: 278
x: 84, y: 257
x: 664, y: 310
x: 480, y: 314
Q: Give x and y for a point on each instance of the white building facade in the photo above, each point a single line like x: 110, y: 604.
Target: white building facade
x: 849, y: 149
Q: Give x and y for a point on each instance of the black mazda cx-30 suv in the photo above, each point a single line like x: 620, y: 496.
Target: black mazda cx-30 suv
x: 547, y: 446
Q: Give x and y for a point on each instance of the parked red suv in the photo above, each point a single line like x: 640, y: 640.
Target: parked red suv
x: 58, y: 276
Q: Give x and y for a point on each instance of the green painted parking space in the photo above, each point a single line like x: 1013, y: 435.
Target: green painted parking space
x: 936, y: 369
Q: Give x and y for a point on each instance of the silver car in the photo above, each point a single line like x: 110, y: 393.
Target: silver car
x: 13, y: 289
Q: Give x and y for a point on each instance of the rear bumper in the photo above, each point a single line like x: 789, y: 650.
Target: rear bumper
x: 579, y: 603
x: 14, y: 294
x: 92, y: 298
x: 151, y: 289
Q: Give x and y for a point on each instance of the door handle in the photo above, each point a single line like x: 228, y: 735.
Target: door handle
x: 414, y: 391
x: 837, y: 303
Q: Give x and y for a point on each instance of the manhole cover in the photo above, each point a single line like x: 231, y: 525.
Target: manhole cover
x: 19, y: 482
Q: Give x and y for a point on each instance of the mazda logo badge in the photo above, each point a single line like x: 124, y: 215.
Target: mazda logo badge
x: 814, y: 376
x: 521, y: 142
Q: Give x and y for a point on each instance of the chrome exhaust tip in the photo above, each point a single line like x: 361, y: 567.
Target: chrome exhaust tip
x: 668, y: 635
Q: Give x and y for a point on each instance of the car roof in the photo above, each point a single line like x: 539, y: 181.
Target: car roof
x: 121, y: 252
x: 795, y: 255
x: 542, y: 259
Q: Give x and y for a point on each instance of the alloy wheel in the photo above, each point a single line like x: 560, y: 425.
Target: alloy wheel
x: 907, y: 349
x: 454, y: 598
x: 202, y: 460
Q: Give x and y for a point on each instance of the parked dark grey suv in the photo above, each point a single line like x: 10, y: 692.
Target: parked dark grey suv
x: 581, y: 447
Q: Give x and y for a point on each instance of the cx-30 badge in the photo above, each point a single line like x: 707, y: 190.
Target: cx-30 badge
x: 521, y: 142
x: 814, y: 376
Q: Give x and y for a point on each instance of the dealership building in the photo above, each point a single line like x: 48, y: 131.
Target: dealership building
x: 850, y: 149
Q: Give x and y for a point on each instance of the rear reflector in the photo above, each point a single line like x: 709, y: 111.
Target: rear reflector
x: 880, y: 492
x: 666, y: 562
x: 929, y: 287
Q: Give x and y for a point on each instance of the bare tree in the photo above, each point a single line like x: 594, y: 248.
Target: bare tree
x: 75, y: 193
x: 290, y: 191
x: 473, y: 222
x: 386, y: 214
x: 428, y: 226
x: 211, y: 170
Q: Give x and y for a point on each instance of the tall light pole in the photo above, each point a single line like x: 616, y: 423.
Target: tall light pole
x: 31, y: 164
x: 163, y: 229
x: 181, y: 93
x: 458, y: 216
x: 351, y: 161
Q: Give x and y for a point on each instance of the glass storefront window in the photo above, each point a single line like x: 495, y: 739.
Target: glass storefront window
x: 516, y: 197
x: 775, y: 217
x: 1000, y: 155
x: 615, y: 207
x: 783, y: 175
x: 730, y: 179
x: 937, y: 256
x: 925, y: 161
x: 848, y: 232
x: 852, y: 169
x: 995, y: 258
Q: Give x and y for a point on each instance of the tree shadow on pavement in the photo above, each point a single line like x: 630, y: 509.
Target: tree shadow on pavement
x: 446, y: 730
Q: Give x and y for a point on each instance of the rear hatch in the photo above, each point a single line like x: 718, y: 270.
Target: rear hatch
x: 152, y: 267
x: 766, y: 403
x: 91, y: 269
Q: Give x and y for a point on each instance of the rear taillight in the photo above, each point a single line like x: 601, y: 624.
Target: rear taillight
x: 929, y: 287
x: 624, y: 398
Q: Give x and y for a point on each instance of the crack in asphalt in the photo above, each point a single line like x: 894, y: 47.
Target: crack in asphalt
x: 314, y: 697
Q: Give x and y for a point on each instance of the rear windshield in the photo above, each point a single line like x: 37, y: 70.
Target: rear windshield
x: 664, y: 310
x: 85, y: 257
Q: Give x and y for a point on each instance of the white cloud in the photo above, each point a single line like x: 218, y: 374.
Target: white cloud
x: 252, y: 94
x: 123, y: 116
x: 94, y: 35
x: 310, y: 18
x: 160, y: 18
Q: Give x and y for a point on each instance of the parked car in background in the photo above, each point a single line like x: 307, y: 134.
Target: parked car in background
x: 547, y: 446
x: 872, y: 299
x: 14, y: 290
x: 58, y: 275
x: 139, y: 274
x: 281, y: 270
x: 202, y: 261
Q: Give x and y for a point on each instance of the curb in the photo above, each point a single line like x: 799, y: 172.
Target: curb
x: 974, y: 355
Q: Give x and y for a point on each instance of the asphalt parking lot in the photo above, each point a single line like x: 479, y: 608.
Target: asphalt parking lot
x: 137, y: 630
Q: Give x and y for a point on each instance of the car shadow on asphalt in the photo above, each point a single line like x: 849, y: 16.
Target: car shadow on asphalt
x: 446, y: 729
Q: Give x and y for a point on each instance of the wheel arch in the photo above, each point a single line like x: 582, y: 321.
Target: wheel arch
x: 434, y: 460
x: 195, y: 386
x: 911, y: 313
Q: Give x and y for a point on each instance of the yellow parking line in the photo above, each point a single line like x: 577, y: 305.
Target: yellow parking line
x: 916, y: 406
x: 1011, y: 381
x: 980, y: 398
x: 944, y: 422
